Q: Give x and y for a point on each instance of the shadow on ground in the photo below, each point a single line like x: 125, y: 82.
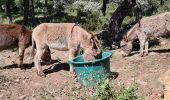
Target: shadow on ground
x: 56, y: 68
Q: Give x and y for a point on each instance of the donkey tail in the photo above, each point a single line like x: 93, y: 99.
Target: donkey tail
x: 33, y: 48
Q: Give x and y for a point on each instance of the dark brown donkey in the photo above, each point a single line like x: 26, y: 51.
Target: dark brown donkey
x: 12, y: 35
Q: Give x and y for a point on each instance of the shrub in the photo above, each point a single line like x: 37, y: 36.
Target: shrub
x: 105, y: 91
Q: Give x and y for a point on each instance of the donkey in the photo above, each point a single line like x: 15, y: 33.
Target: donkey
x: 66, y: 37
x: 13, y: 35
x: 153, y: 26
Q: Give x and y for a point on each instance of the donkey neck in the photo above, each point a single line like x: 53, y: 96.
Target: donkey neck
x: 132, y: 33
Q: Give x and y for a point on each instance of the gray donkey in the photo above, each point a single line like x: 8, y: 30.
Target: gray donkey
x: 153, y: 26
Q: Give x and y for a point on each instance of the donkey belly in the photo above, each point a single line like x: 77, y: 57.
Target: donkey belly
x: 59, y: 45
x: 7, y: 42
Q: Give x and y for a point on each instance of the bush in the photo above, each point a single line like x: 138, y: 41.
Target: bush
x: 105, y: 91
x: 86, y: 13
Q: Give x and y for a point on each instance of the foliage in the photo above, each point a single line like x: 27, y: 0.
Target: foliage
x: 18, y: 3
x: 105, y: 91
x: 83, y: 12
x: 87, y: 5
x: 127, y: 94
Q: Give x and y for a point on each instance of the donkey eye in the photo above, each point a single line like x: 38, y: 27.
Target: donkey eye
x: 123, y: 45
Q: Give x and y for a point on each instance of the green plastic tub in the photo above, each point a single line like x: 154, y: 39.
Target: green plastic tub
x: 92, y: 72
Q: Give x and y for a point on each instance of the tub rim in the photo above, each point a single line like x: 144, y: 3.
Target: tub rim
x: 90, y: 62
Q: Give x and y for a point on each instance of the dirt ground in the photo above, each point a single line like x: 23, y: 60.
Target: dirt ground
x: 16, y: 84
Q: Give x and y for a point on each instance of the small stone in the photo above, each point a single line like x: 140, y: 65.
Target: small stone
x: 17, y: 80
x: 1, y: 95
x: 153, y: 53
x: 162, y: 43
x: 65, y: 81
x: 37, y: 84
x: 58, y: 98
x: 26, y: 77
x: 2, y: 90
x: 9, y: 57
x: 22, y: 97
x: 6, y: 72
x: 142, y: 82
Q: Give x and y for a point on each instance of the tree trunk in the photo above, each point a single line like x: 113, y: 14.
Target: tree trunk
x: 104, y: 7
x: 46, y: 10
x: 26, y: 11
x: 110, y: 36
x: 161, y: 2
x: 32, y: 12
x: 8, y: 11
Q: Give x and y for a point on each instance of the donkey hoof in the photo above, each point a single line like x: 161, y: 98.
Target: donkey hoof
x: 142, y: 54
x: 41, y: 74
x: 21, y: 67
x: 145, y: 54
x: 49, y: 62
x: 72, y: 74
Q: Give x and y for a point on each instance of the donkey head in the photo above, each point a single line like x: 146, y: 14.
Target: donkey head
x: 126, y: 46
x: 93, y: 51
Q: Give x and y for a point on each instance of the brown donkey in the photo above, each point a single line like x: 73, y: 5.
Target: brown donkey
x: 66, y: 37
x: 12, y: 35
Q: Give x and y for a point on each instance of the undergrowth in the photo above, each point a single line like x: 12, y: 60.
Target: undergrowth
x: 104, y: 91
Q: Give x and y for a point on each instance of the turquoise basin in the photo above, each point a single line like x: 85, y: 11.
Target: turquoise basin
x: 92, y: 72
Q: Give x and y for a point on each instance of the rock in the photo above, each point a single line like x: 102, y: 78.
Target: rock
x: 65, y: 81
x: 33, y: 97
x: 58, y: 98
x: 37, y: 84
x: 156, y: 96
x: 142, y: 82
x: 17, y: 80
x: 26, y: 78
x: 1, y: 95
x: 2, y: 90
x: 22, y: 97
x: 162, y: 43
x: 167, y: 92
x: 153, y: 53
x: 165, y: 80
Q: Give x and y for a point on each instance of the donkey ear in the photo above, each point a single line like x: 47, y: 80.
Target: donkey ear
x: 95, y: 34
x: 125, y: 38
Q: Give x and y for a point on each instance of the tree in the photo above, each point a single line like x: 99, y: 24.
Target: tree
x: 46, y: 9
x: 115, y: 23
x: 104, y: 7
x: 6, y: 6
x: 25, y: 11
x: 32, y: 12
x: 8, y: 11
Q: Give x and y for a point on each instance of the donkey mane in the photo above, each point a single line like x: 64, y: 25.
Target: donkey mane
x: 132, y: 32
x: 88, y: 31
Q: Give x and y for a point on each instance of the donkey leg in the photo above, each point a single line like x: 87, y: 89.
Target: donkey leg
x: 146, y: 48
x: 37, y: 63
x: 168, y: 26
x: 46, y: 57
x: 49, y: 59
x: 142, y: 43
x: 71, y: 56
x: 21, y: 56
